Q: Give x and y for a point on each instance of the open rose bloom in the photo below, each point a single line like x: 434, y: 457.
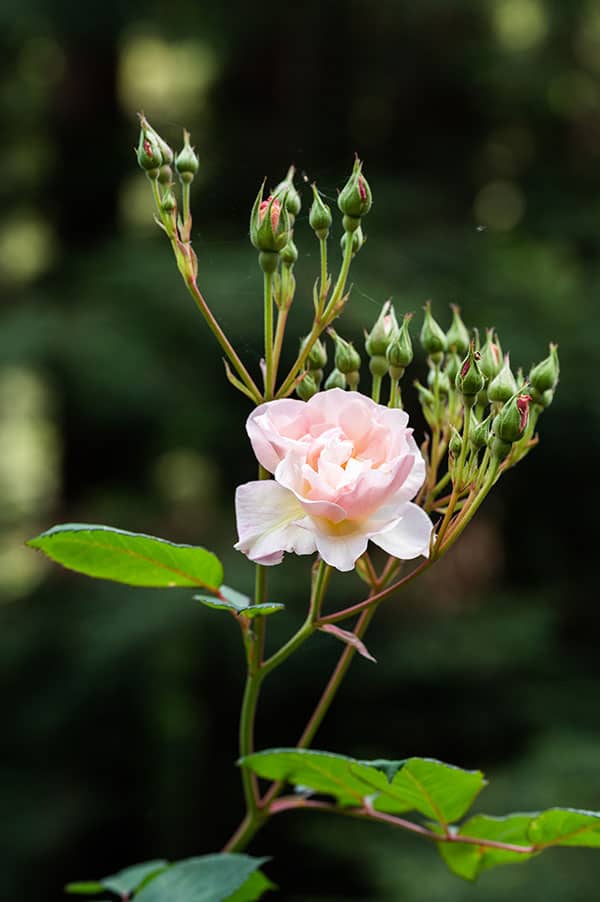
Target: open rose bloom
x: 345, y: 470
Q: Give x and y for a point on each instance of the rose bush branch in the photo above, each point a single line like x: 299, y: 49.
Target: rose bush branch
x: 340, y: 471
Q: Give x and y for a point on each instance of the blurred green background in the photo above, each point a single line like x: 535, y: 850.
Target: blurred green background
x: 479, y: 124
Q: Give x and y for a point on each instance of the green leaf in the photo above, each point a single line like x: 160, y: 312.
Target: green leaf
x: 565, y: 827
x: 254, y: 888
x: 236, y: 603
x: 540, y: 830
x: 209, y: 878
x: 84, y: 888
x: 129, y: 557
x: 468, y: 861
x: 434, y: 789
x: 124, y: 882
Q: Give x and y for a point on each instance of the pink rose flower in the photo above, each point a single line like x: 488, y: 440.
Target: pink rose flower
x: 345, y: 472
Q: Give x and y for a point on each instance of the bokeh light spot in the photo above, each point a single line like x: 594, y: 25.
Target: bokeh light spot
x: 520, y: 24
x: 27, y: 247
x: 165, y: 78
x: 573, y: 93
x: 499, y: 205
x: 183, y: 476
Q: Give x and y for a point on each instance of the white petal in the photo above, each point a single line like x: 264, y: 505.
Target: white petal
x: 338, y: 551
x: 409, y: 537
x: 267, y: 516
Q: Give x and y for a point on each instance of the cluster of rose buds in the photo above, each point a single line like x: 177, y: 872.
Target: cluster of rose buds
x: 480, y: 415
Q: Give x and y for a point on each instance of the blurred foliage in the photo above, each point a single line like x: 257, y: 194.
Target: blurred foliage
x: 480, y: 126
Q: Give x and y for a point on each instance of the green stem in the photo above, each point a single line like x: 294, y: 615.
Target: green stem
x: 458, y: 473
x: 472, y: 509
x: 376, y: 388
x: 323, y: 285
x: 268, y: 315
x: 335, y: 680
x: 319, y: 325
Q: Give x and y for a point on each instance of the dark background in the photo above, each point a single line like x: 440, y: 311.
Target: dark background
x: 479, y: 124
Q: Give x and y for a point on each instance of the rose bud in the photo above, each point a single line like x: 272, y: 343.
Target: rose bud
x: 504, y: 385
x: 457, y: 336
x: 320, y: 218
x: 433, y: 337
x: 469, y: 379
x: 544, y: 376
x: 511, y: 422
x: 186, y: 161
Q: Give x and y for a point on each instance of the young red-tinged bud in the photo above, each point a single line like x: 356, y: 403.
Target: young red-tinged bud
x: 433, y: 337
x: 317, y: 358
x: 355, y: 198
x: 504, y: 385
x: 307, y: 388
x: 357, y: 238
x: 511, y: 422
x: 149, y: 155
x: 451, y: 367
x: 383, y: 332
x: 287, y: 194
x: 186, y: 161
x: 347, y: 358
x: 469, y: 379
x: 335, y: 380
x: 399, y: 352
x: 457, y: 336
x: 289, y: 254
x: 269, y: 224
x: 320, y: 218
x: 544, y: 376
x: 490, y: 362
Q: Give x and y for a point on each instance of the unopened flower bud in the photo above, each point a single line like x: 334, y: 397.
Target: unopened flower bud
x: 168, y: 203
x: 490, y: 362
x: 544, y: 376
x: 382, y: 333
x: 317, y: 358
x: 320, y: 218
x: 307, y: 388
x: 149, y: 155
x: 347, y: 358
x: 269, y: 224
x: 357, y: 238
x: 479, y: 433
x: 455, y: 444
x: 433, y: 337
x: 511, y: 422
x: 289, y: 254
x: 286, y: 193
x: 457, y: 336
x: 165, y: 175
x: 378, y: 365
x: 469, y: 379
x: 355, y: 198
x: 503, y: 386
x: 399, y: 352
x: 186, y: 161
x: 353, y: 378
x: 335, y: 380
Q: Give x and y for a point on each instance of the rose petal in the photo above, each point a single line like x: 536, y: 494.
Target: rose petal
x: 267, y: 516
x: 339, y: 551
x: 410, y: 537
